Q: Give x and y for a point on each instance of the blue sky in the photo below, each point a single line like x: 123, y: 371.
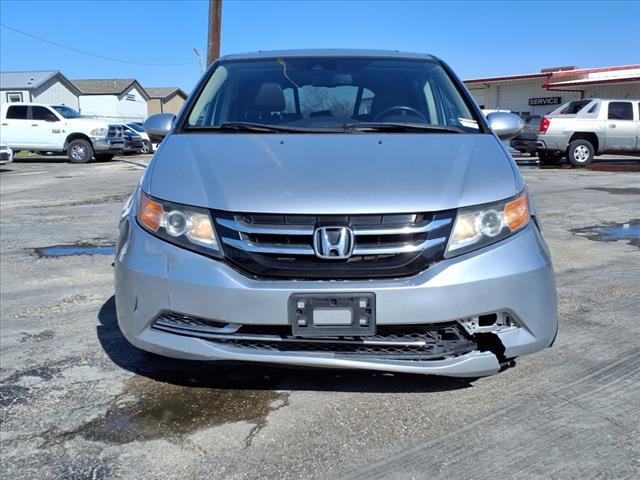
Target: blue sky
x: 476, y: 38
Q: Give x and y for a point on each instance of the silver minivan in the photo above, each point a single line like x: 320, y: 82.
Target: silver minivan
x: 334, y: 208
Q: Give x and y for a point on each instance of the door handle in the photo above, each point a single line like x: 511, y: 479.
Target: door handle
x: 612, y: 125
x: 5, y: 124
x: 34, y: 124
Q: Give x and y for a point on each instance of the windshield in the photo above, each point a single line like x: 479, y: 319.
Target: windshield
x: 135, y: 127
x: 331, y: 93
x: 66, y: 112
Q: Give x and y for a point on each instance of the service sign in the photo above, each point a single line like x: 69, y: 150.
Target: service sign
x: 534, y: 102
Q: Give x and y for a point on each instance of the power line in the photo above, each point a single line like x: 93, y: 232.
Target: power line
x: 50, y: 42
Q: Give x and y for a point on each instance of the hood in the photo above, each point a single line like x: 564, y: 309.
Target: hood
x: 331, y: 173
x: 87, y: 122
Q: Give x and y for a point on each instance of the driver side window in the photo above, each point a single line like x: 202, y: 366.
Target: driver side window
x: 43, y: 113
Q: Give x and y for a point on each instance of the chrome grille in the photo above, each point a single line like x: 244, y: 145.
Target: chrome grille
x: 269, y: 245
x: 115, y: 131
x: 401, y: 342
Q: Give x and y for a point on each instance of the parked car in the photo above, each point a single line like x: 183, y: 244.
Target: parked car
x: 37, y: 127
x: 133, y: 142
x: 6, y: 154
x: 294, y: 227
x: 526, y: 141
x: 582, y: 129
x: 147, y: 146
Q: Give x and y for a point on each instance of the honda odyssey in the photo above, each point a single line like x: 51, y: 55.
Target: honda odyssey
x: 343, y: 209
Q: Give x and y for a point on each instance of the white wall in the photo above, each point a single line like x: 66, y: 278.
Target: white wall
x: 55, y: 92
x: 133, y: 105
x: 116, y: 108
x: 629, y: 90
x: 515, y: 95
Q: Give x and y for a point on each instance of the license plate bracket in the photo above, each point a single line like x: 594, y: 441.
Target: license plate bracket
x: 337, y: 314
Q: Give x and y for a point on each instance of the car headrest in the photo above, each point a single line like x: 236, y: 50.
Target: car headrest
x: 270, y: 97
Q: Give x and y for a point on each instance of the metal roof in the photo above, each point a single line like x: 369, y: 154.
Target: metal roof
x: 164, y: 92
x: 561, y: 73
x: 26, y: 80
x: 330, y: 52
x: 103, y: 86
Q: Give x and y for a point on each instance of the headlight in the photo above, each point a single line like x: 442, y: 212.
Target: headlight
x: 483, y: 225
x: 99, y: 132
x: 189, y: 227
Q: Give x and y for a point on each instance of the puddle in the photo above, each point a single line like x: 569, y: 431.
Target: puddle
x: 78, y: 249
x: 615, y: 166
x: 612, y: 232
x: 617, y: 191
x: 149, y: 409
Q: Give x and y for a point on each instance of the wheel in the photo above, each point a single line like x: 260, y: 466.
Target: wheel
x: 104, y: 157
x: 549, y: 158
x: 580, y: 153
x: 146, y: 147
x: 79, y: 151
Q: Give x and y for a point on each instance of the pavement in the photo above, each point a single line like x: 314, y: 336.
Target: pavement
x: 78, y: 402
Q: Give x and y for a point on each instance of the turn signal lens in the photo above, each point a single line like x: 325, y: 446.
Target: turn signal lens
x: 516, y: 213
x: 150, y: 213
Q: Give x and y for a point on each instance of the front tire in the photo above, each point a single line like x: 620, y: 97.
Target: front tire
x: 104, y: 157
x: 147, y: 148
x: 580, y: 153
x: 79, y: 151
x: 549, y: 158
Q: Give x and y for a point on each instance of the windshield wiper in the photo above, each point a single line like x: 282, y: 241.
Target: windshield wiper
x: 399, y: 127
x: 256, y: 127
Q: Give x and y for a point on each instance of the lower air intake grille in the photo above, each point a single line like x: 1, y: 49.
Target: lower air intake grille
x: 401, y: 342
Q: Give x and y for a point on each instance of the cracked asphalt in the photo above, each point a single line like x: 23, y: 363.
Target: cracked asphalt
x: 78, y: 402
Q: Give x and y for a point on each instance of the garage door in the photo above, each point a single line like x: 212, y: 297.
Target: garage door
x: 514, y: 98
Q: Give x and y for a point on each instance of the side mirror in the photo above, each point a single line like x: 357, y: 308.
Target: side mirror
x: 505, y: 125
x: 158, y: 126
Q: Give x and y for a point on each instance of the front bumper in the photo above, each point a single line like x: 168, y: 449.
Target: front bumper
x: 6, y: 156
x: 513, y: 276
x: 108, y: 145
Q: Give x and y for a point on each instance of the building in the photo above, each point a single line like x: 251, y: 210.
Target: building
x: 39, y: 87
x: 117, y: 100
x: 165, y: 100
x: 540, y: 93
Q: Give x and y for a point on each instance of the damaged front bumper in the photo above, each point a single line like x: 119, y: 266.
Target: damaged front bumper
x: 502, y: 298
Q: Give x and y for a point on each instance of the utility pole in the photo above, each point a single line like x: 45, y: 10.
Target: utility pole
x: 215, y: 18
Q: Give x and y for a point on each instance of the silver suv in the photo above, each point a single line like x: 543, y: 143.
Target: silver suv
x: 346, y: 209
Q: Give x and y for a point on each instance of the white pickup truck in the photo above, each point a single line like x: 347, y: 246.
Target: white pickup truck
x: 57, y: 128
x: 584, y: 128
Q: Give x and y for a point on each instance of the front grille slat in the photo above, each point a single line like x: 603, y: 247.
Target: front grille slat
x: 240, y: 226
x: 281, y: 246
x: 278, y: 249
x: 423, y: 227
x: 398, y: 248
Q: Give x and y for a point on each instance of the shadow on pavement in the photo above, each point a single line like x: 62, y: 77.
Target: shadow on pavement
x: 255, y: 376
x: 622, y: 164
